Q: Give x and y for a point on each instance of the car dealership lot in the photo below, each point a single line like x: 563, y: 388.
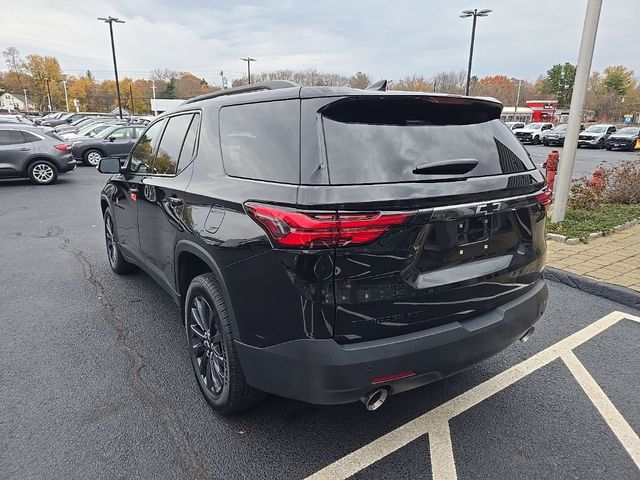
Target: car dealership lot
x: 96, y: 382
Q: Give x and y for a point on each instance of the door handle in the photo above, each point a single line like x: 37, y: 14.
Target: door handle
x: 175, y: 201
x: 25, y: 149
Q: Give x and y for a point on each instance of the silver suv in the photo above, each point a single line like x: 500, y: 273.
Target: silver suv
x: 33, y: 153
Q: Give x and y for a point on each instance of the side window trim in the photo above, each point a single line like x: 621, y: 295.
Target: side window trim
x: 167, y: 118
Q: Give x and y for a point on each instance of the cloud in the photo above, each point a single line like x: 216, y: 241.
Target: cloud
x: 384, y: 39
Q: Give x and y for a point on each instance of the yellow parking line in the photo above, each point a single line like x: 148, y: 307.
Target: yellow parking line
x: 609, y: 412
x: 424, y: 424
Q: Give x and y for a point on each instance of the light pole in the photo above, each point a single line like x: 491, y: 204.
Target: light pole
x: 133, y: 108
x: 153, y: 89
x: 110, y: 20
x: 48, y: 94
x: 66, y: 98
x: 475, y: 13
x: 248, y: 60
x: 26, y: 101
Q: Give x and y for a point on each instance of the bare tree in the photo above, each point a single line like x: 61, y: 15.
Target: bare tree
x: 15, y: 63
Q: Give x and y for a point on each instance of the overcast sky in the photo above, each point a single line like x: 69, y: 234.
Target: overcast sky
x: 383, y: 38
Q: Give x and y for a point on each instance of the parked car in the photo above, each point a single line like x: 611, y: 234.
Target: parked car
x: 419, y: 255
x: 33, y: 153
x: 514, y: 125
x: 555, y: 136
x: 627, y: 138
x: 71, y: 117
x: 595, y: 136
x: 87, y: 132
x: 116, y: 141
x: 533, y: 133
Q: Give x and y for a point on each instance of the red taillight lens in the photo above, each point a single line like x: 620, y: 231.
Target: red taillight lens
x: 306, y: 229
x: 544, y: 198
x: 63, y: 147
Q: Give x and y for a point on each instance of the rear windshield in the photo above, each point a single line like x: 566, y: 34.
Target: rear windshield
x: 388, y: 140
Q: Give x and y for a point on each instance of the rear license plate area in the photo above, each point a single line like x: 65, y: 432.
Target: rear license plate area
x: 474, y: 230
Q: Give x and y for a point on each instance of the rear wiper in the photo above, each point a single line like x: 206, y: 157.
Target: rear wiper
x: 458, y: 166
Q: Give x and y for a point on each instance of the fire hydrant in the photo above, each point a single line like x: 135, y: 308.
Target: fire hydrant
x: 596, y: 183
x: 551, y: 166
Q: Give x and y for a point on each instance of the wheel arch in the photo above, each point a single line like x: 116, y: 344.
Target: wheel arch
x: 191, y: 260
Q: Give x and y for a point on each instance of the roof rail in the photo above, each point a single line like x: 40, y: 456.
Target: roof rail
x: 254, y: 87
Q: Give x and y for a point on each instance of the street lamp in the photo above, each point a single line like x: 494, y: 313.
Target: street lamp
x: 26, y: 101
x: 248, y: 60
x: 66, y: 97
x: 110, y: 20
x: 48, y: 94
x: 475, y: 13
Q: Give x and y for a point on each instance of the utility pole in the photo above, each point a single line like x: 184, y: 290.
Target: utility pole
x: 435, y: 85
x: 48, y: 94
x: 66, y: 98
x: 153, y: 89
x: 221, y: 79
x: 568, y: 158
x: 110, y: 20
x: 133, y: 108
x: 248, y: 60
x: 475, y: 14
x: 515, y: 109
x: 26, y: 101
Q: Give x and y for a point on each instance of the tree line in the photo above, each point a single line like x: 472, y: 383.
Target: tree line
x: 610, y: 93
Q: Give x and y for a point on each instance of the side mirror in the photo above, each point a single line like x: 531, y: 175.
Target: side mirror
x: 109, y: 165
x: 112, y: 139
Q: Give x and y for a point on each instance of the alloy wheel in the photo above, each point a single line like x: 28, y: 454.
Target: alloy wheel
x: 94, y: 158
x: 43, y: 173
x: 110, y: 239
x: 208, y: 353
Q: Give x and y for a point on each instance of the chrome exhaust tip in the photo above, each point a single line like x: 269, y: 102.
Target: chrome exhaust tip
x: 527, y: 335
x: 374, y: 399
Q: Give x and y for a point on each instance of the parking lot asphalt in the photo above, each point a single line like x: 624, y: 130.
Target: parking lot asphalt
x: 96, y: 382
x: 587, y: 159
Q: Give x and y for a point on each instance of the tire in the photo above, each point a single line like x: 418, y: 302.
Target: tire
x: 117, y: 262
x: 608, y: 148
x: 92, y: 157
x: 43, y: 172
x: 545, y: 143
x: 212, y: 349
x: 601, y: 144
x: 536, y: 140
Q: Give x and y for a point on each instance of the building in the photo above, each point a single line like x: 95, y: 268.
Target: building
x: 522, y: 114
x: 159, y: 105
x: 543, y: 110
x: 15, y: 101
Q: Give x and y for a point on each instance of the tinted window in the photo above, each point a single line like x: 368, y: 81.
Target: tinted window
x: 261, y: 140
x: 123, y: 133
x: 31, y: 137
x: 143, y: 153
x: 12, y: 137
x: 390, y: 140
x: 166, y: 162
x: 189, y: 146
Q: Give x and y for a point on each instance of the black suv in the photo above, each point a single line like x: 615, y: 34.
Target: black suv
x: 333, y: 244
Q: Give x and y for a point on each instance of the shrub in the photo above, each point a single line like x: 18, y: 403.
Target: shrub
x: 622, y: 182
x: 585, y: 196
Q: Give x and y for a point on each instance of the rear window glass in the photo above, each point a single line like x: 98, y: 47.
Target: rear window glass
x: 387, y: 139
x: 261, y: 141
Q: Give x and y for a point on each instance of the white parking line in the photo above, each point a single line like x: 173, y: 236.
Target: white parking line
x: 435, y: 422
x: 628, y: 438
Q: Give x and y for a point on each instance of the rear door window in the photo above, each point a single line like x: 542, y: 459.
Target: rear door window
x: 166, y: 160
x: 261, y: 141
x: 387, y: 139
x: 12, y: 137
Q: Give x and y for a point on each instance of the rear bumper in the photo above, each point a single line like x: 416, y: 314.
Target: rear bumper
x: 69, y: 166
x: 324, y: 372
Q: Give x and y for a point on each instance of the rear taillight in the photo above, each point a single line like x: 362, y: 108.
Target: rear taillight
x: 63, y: 147
x: 544, y: 198
x: 308, y: 229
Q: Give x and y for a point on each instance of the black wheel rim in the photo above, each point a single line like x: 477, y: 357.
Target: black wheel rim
x: 208, y: 354
x: 109, y: 237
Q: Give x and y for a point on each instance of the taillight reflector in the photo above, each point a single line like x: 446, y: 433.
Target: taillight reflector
x: 308, y: 229
x: 63, y: 147
x: 393, y: 376
x: 544, y: 198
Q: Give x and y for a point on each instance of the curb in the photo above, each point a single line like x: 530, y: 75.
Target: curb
x: 622, y: 295
x: 575, y: 241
